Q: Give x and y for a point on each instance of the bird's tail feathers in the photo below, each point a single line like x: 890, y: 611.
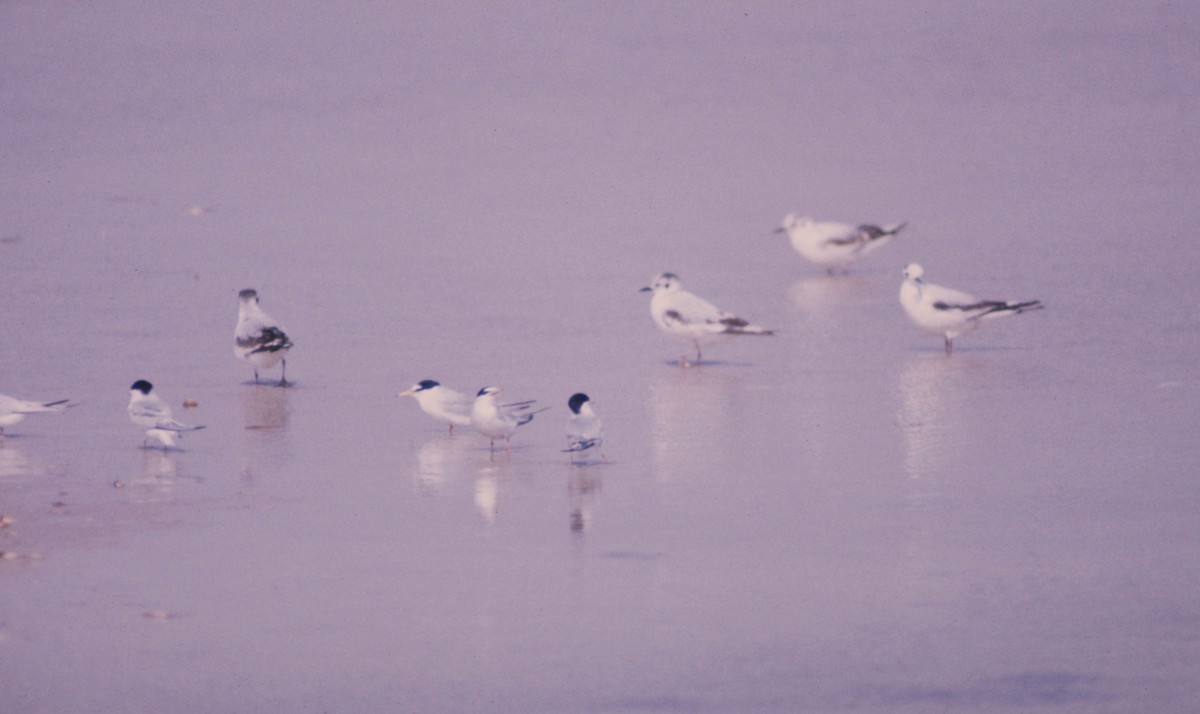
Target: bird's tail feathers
x: 1012, y: 308
x: 749, y: 330
x: 527, y: 417
x: 581, y: 445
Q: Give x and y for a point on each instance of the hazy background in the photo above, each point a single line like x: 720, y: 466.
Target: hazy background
x: 837, y: 518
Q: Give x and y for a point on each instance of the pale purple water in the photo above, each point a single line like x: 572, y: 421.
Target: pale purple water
x: 834, y: 519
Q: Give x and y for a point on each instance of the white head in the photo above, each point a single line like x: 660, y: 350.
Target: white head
x: 665, y: 282
x: 488, y: 392
x: 249, y: 295
x: 914, y: 272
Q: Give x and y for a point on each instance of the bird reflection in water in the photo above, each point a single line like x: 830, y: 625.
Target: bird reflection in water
x: 930, y: 412
x: 487, y: 493
x: 15, y: 461
x: 437, y: 461
x: 822, y: 295
x: 583, y: 490
x: 156, y: 472
x: 691, y: 412
x: 264, y: 415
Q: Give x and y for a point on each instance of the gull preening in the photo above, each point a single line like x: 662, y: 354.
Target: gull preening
x: 149, y: 412
x: 835, y: 246
x: 445, y: 405
x: 692, y: 319
x: 499, y: 421
x: 584, y: 429
x: 948, y: 312
x: 258, y: 339
x: 13, y: 410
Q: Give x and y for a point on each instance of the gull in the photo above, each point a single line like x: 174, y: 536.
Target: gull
x: 835, y: 246
x: 948, y: 312
x: 584, y: 429
x: 258, y: 339
x: 499, y: 421
x: 692, y: 319
x: 13, y: 410
x: 149, y: 412
x: 445, y: 405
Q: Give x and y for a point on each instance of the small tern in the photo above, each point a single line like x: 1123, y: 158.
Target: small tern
x: 694, y: 320
x: 13, y: 410
x: 584, y: 429
x: 258, y: 339
x: 948, y: 312
x: 445, y: 405
x: 835, y: 246
x: 499, y: 421
x: 149, y: 412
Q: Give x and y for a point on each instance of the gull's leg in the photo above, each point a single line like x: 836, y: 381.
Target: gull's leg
x: 451, y: 429
x: 949, y: 346
x: 283, y: 374
x: 256, y: 376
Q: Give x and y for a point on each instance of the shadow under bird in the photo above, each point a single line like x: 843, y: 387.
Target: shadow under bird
x: 147, y: 411
x: 692, y: 319
x: 500, y: 421
x: 584, y: 429
x: 441, y: 403
x: 258, y: 338
x: 835, y: 246
x: 951, y: 313
x: 13, y: 410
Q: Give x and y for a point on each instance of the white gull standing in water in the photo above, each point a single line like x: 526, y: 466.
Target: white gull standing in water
x: 835, y: 246
x: 692, y: 319
x: 948, y: 312
x: 258, y: 339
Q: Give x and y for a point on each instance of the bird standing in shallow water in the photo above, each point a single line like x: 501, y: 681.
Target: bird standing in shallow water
x: 149, y: 412
x: 445, y: 405
x: 835, y: 246
x: 950, y: 313
x: 694, y: 320
x: 13, y: 410
x: 499, y: 421
x: 584, y: 430
x: 258, y: 339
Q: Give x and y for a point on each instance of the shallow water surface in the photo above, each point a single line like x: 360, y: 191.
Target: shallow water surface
x: 837, y: 518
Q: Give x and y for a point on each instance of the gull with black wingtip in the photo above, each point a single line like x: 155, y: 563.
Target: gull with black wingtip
x: 258, y: 338
x: 692, y: 319
x: 835, y: 246
x: 951, y: 313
